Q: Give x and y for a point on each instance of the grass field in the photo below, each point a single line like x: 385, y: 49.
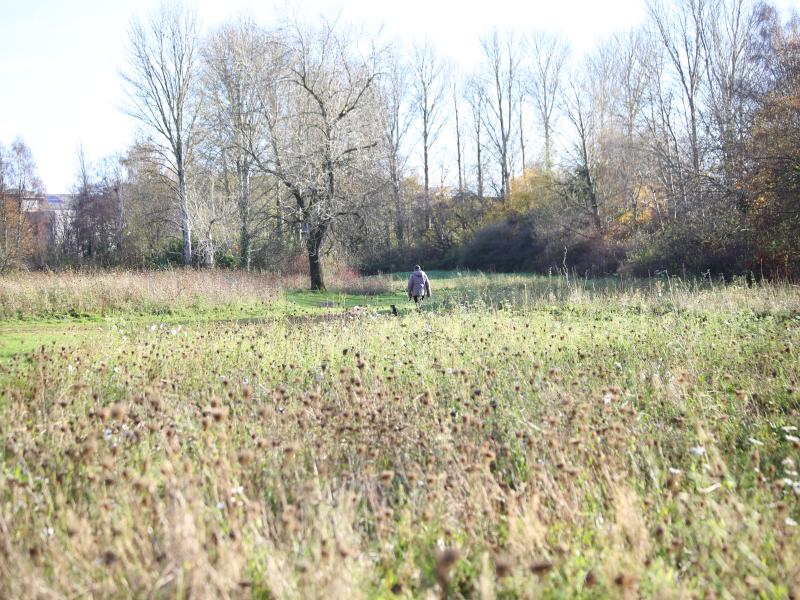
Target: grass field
x: 520, y: 437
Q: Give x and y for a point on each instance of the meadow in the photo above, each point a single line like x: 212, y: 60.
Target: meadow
x: 193, y: 435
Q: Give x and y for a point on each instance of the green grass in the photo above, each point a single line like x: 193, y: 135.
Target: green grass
x: 519, y: 437
x: 333, y: 302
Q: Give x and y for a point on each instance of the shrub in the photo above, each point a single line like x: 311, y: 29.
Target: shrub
x: 509, y: 245
x: 684, y: 249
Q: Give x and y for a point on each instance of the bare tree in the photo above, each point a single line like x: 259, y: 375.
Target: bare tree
x: 613, y: 158
x: 397, y: 117
x: 549, y: 55
x: 214, y: 205
x: 729, y: 49
x: 502, y: 58
x: 476, y: 98
x: 679, y: 27
x: 323, y: 129
x: 160, y: 82
x: 631, y: 68
x: 581, y: 108
x: 458, y: 93
x: 19, y: 186
x: 429, y: 96
x: 95, y: 230
x: 232, y: 54
x: 521, y: 130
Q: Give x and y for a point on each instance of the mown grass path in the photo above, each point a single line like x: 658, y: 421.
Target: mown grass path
x: 19, y: 336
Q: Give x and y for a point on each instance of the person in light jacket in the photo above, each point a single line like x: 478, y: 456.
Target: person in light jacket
x: 419, y: 286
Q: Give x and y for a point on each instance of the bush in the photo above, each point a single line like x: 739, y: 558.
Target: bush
x: 681, y: 249
x: 594, y: 255
x: 393, y: 259
x: 224, y: 259
x: 509, y: 245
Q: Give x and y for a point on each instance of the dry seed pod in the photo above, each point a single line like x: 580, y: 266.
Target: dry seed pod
x: 445, y: 559
x: 540, y: 567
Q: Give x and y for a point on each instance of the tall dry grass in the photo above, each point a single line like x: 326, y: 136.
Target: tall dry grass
x: 72, y: 293
x: 69, y: 292
x: 592, y: 452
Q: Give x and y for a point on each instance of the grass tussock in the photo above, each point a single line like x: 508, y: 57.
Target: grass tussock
x: 574, y: 449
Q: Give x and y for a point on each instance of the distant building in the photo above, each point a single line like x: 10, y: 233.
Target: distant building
x: 49, y: 217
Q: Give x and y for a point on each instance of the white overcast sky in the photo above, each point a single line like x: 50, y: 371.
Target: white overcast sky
x: 59, y: 59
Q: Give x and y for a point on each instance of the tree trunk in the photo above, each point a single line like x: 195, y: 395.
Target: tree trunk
x: 458, y: 148
x: 245, y: 251
x: 278, y: 213
x: 426, y: 178
x: 399, y: 227
x: 209, y: 258
x: 185, y: 223
x: 521, y: 137
x: 244, y: 248
x: 480, y: 167
x: 548, y: 157
x: 314, y: 246
x: 119, y: 226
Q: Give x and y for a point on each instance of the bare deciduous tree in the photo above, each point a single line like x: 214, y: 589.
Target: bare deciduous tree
x: 429, y: 98
x: 549, y: 55
x: 729, y: 47
x: 679, y: 27
x: 323, y: 129
x: 502, y: 58
x: 19, y: 184
x: 476, y: 98
x: 232, y: 55
x: 581, y: 190
x: 397, y: 117
x: 457, y: 92
x: 160, y: 82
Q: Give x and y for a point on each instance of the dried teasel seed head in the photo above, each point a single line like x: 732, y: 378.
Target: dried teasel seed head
x: 502, y: 566
x: 590, y: 580
x: 540, y: 567
x: 445, y: 559
x: 624, y: 580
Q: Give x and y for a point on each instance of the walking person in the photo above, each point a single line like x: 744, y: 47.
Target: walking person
x: 419, y: 286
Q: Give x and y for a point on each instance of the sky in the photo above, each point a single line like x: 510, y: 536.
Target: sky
x: 60, y: 59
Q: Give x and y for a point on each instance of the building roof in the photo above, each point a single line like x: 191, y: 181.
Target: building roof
x: 60, y: 201
x: 48, y: 203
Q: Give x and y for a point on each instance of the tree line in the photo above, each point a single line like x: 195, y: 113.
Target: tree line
x: 673, y: 146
